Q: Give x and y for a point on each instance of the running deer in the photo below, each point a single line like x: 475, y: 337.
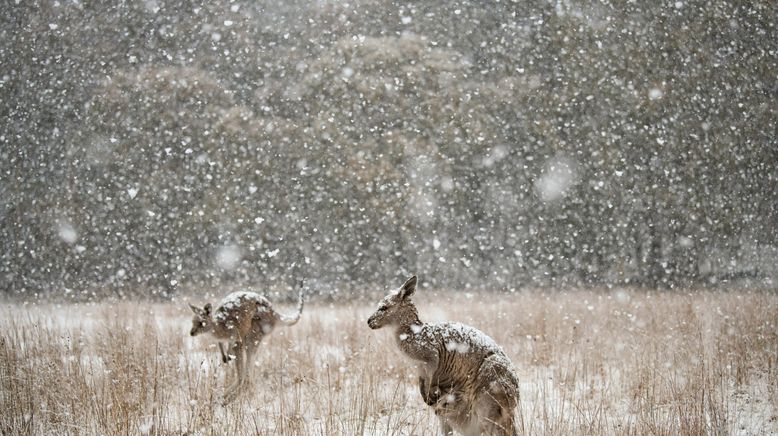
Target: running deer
x: 242, y: 319
x: 463, y: 374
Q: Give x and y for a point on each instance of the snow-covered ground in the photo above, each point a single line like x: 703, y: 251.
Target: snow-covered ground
x: 589, y: 363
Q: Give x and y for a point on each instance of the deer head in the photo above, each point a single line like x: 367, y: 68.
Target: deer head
x: 396, y: 308
x: 201, y: 321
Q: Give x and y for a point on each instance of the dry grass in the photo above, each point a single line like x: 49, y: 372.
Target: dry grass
x: 619, y: 362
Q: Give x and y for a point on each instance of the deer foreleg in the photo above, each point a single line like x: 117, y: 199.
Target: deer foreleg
x: 225, y: 357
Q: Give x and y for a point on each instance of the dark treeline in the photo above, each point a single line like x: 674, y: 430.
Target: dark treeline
x: 151, y: 147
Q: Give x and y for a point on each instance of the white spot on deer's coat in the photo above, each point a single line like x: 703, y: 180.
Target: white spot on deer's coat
x: 459, y: 347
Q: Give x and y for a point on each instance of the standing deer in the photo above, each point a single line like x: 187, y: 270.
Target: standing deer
x: 463, y: 374
x: 242, y: 319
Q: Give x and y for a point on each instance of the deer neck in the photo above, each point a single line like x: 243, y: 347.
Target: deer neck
x: 220, y: 331
x: 409, y: 323
x: 412, y: 342
x: 405, y: 331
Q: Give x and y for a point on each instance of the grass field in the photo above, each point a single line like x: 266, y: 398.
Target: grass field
x: 590, y: 362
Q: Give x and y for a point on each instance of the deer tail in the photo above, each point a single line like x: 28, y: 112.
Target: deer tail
x: 292, y: 319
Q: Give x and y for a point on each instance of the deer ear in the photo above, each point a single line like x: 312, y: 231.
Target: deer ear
x: 409, y: 287
x: 207, y: 308
x: 194, y: 308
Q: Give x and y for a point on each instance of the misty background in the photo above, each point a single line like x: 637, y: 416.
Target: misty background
x: 150, y: 148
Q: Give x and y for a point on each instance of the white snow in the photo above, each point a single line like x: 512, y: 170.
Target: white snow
x: 235, y: 300
x: 622, y: 296
x: 67, y: 232
x: 559, y: 176
x: 459, y: 347
x: 228, y: 256
x: 146, y: 426
x: 655, y: 93
x: 455, y: 337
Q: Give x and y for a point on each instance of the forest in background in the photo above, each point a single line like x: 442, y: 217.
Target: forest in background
x: 152, y: 147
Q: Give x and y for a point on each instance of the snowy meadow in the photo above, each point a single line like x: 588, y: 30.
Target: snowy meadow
x: 578, y: 167
x: 590, y: 362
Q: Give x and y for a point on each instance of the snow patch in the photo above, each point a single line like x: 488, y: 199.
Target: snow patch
x: 459, y: 347
x: 235, y: 300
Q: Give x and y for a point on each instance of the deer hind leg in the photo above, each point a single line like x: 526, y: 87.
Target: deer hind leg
x: 240, y: 361
x: 497, y: 398
x: 495, y: 418
x: 237, y: 350
x: 251, y: 344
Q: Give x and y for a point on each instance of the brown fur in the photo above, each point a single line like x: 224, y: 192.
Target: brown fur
x: 242, y: 319
x: 464, y: 375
